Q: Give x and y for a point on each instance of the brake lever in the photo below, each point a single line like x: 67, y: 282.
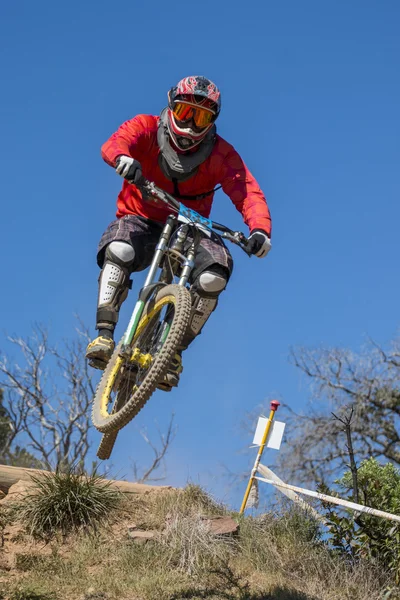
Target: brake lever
x: 147, y: 186
x: 151, y: 192
x: 239, y: 239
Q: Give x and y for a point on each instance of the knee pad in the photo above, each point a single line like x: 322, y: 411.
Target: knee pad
x: 120, y: 253
x: 204, y: 292
x: 211, y: 283
x: 114, y: 283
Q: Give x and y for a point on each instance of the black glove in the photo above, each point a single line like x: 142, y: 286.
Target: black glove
x: 259, y: 243
x: 129, y: 168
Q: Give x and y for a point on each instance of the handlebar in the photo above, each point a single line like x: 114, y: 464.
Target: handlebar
x: 236, y: 237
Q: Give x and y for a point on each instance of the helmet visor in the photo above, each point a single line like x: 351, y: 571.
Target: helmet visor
x: 184, y: 112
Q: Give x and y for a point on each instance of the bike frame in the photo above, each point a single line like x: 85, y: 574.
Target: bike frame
x: 186, y: 259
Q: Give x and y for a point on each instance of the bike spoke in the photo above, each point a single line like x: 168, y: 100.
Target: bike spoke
x: 148, y: 343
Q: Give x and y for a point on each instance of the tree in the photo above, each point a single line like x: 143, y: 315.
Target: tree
x: 46, y: 403
x: 17, y: 457
x: 365, y: 536
x: 367, y: 384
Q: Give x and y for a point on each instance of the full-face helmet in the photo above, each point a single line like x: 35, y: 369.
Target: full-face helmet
x: 193, y: 106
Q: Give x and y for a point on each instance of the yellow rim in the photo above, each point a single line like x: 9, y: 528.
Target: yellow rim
x: 118, y: 363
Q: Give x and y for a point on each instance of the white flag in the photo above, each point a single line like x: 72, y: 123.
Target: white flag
x: 275, y: 435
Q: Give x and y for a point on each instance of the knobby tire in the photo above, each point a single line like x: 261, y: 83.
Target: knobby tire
x: 106, y: 445
x: 108, y: 440
x: 113, y: 422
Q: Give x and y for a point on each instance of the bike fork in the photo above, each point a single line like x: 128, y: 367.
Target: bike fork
x: 155, y: 264
x: 187, y: 267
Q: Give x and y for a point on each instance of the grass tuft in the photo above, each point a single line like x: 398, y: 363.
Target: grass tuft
x: 154, y: 511
x: 28, y: 561
x: 190, y: 547
x: 28, y: 593
x: 66, y: 502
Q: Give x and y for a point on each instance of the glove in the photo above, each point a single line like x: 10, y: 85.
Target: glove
x: 129, y: 168
x: 259, y: 243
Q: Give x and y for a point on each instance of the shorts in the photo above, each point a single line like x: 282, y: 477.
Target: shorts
x: 143, y: 235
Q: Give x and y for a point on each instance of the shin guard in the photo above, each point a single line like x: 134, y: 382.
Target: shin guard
x: 114, y: 284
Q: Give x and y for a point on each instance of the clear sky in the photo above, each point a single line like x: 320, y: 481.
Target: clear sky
x: 311, y: 96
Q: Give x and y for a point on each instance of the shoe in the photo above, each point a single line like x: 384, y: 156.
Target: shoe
x: 171, y: 379
x: 99, y: 352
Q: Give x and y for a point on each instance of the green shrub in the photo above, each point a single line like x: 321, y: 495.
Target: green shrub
x: 64, y: 502
x: 365, y: 536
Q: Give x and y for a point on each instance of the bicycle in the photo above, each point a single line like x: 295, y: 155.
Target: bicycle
x: 158, y: 322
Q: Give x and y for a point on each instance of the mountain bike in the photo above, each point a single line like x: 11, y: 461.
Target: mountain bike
x: 159, y: 320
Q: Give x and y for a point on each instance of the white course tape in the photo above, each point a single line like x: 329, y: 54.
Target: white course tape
x: 358, y: 507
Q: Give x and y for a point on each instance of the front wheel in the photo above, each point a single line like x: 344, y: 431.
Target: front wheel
x: 129, y: 380
x: 106, y: 445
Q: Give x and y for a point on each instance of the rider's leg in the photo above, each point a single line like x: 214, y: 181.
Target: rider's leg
x: 114, y: 283
x: 127, y: 245
x: 204, y: 291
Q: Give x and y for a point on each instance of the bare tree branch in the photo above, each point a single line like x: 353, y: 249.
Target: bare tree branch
x: 47, y: 398
x: 159, y: 452
x: 366, y: 385
x: 346, y: 421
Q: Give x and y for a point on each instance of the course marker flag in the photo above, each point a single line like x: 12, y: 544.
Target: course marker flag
x: 275, y: 435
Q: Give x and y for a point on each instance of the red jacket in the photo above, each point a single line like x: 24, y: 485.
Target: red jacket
x: 138, y: 138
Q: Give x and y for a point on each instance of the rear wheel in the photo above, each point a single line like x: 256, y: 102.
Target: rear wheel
x: 130, y: 378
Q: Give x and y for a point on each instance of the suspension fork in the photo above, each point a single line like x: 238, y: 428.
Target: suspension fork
x: 187, y: 265
x: 150, y: 279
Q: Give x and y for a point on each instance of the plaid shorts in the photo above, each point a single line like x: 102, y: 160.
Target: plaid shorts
x: 143, y: 235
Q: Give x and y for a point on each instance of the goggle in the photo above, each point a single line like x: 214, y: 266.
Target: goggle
x: 184, y: 111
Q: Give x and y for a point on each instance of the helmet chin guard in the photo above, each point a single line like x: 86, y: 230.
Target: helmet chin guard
x: 185, y: 138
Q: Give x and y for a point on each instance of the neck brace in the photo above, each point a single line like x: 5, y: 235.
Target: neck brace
x: 181, y: 166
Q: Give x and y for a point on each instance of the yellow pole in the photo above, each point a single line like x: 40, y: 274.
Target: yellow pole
x: 274, y: 408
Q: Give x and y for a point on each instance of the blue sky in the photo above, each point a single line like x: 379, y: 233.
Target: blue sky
x: 311, y: 96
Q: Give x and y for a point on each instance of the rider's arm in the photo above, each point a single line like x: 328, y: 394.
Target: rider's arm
x: 242, y: 188
x: 130, y: 139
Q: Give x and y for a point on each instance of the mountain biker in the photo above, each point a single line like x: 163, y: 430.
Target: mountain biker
x: 181, y: 153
